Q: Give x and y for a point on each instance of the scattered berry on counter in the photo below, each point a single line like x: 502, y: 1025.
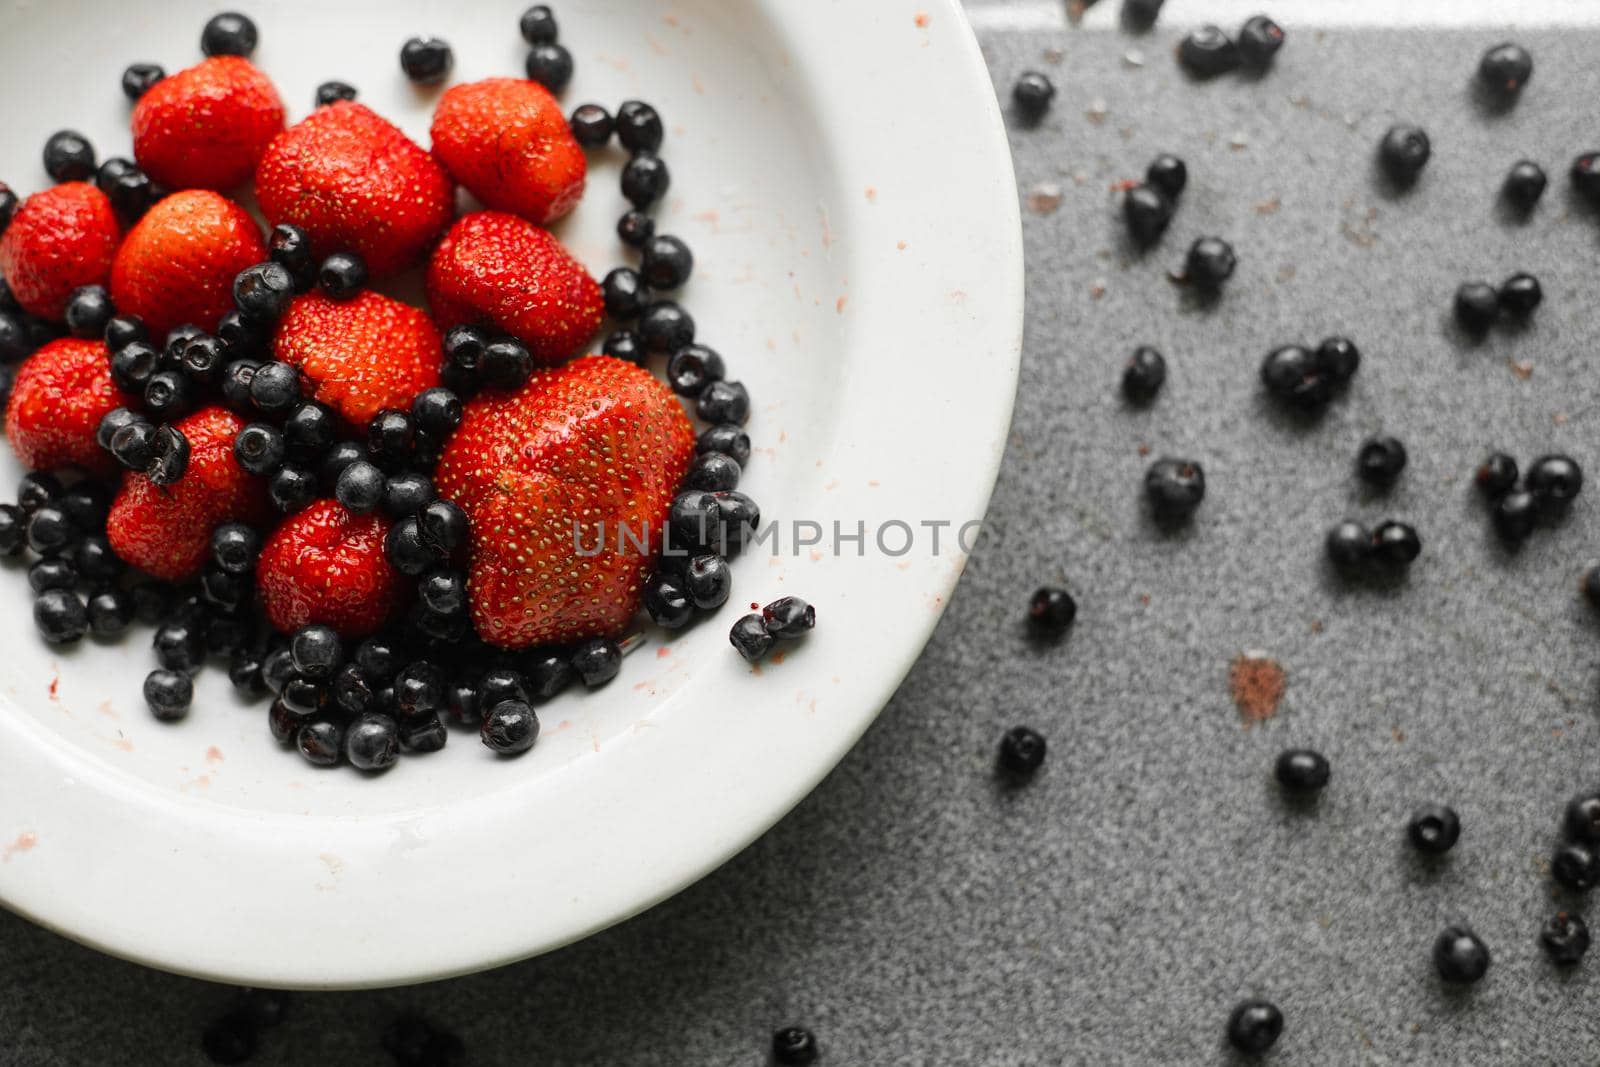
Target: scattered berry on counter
x: 1175, y: 488
x: 1349, y: 545
x: 1395, y: 544
x: 1497, y: 475
x: 426, y: 60
x: 1515, y: 514
x: 1477, y: 307
x: 1051, y: 611
x: 68, y: 156
x: 794, y: 1046
x: 510, y: 727
x: 168, y: 693
x: 1520, y: 294
x: 1381, y: 460
x: 1143, y: 375
x: 645, y: 179
x: 139, y: 77
x: 538, y: 25
x: 1146, y: 211
x: 1032, y: 94
x: 229, y: 34
x: 1022, y: 751
x: 1294, y: 375
x: 1460, y: 956
x: 1254, y: 1026
x: 1555, y: 482
x: 639, y: 126
x: 634, y: 228
x: 1259, y: 41
x: 1208, y: 52
x: 1403, y: 153
x: 1434, y: 829
x: 1338, y: 359
x: 1504, y: 70
x: 591, y: 125
x: 1167, y: 173
x: 1582, y: 818
x: 1524, y: 185
x: 1302, y: 771
x: 666, y: 262
x: 1565, y: 938
x: 550, y: 65
x: 1575, y: 866
x: 1210, y: 262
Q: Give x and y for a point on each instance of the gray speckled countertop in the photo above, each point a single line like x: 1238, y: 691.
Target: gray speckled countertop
x: 913, y: 912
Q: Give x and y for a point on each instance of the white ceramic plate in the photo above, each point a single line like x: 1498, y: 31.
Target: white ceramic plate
x: 841, y: 172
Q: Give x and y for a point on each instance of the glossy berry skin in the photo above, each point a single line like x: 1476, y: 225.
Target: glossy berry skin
x: 426, y: 60
x: 134, y: 445
x: 1575, y: 866
x: 1555, y: 482
x: 1338, y: 359
x: 1259, y: 41
x: 1395, y: 544
x: 667, y: 262
x: 1477, y: 307
x: 326, y: 565
x: 538, y: 25
x: 1515, y: 515
x: 507, y: 141
x: 667, y: 602
x: 1169, y: 174
x: 235, y: 547
x: 110, y: 612
x: 60, y: 616
x: 88, y: 311
x: 362, y: 355
x: 1254, y: 1026
x: 1525, y: 184
x: 1496, y: 476
x: 1403, y: 153
x: 1433, y: 829
x: 58, y: 399
x: 206, y: 127
x: 639, y: 126
x: 1381, y: 460
x: 1210, y: 262
x: 178, y: 263
x: 1022, y: 752
x: 59, y: 239
x: 597, y: 660
x: 1349, y: 545
x: 510, y: 727
x: 712, y: 472
x: 229, y: 34
x: 320, y: 741
x: 591, y: 125
x: 794, y: 1046
x: 139, y: 77
x: 1051, y: 611
x: 727, y: 438
x: 506, y: 364
x: 52, y: 572
x: 436, y: 410
x: 750, y: 638
x: 1175, y: 488
x: 634, y: 228
x: 550, y: 65
x: 425, y: 734
x: 168, y: 694
x: 1565, y: 938
x: 405, y: 494
x: 645, y: 179
x: 624, y: 293
x: 1031, y: 95
x: 68, y: 157
x: 1302, y: 771
x: 1460, y: 956
x: 342, y: 276
x: 1208, y: 52
x: 372, y: 743
x: 1585, y: 177
x: 1146, y: 211
x: 1582, y: 819
x: 262, y: 292
x: 1520, y: 294
x: 1143, y: 375
x: 316, y: 652
x: 789, y: 618
x: 1295, y: 375
x: 1505, y: 70
x: 129, y: 189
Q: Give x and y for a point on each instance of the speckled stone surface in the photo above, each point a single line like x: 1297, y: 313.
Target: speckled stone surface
x: 912, y: 911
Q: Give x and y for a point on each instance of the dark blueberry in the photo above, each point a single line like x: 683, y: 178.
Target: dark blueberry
x: 1051, y: 611
x: 708, y: 581
x: 626, y: 346
x: 68, y: 157
x: 86, y: 504
x: 1294, y: 374
x: 426, y: 61
x: 110, y: 612
x: 1505, y: 69
x: 538, y: 25
x: 1210, y: 262
x: 443, y: 526
x: 1021, y: 751
x: 379, y: 660
x: 139, y: 77
x: 693, y: 519
x: 174, y: 343
x: 1555, y: 482
x: 405, y: 549
x: 1565, y: 938
x: 1582, y: 820
x: 50, y: 531
x: 548, y: 672
x: 423, y: 735
x: 667, y: 601
x: 94, y: 560
x: 8, y: 209
x: 1140, y: 15
x: 405, y: 494
x: 1395, y: 544
x: 168, y: 395
x: 229, y: 34
x: 88, y: 311
x: 750, y: 638
x: 464, y: 345
x: 550, y: 65
x: 712, y: 472
x: 132, y: 365
x: 352, y: 690
x: 203, y: 359
x: 1585, y: 176
x: 1349, y: 545
x: 794, y: 1046
x: 320, y: 741
x: 152, y: 601
x: 1403, y: 152
x: 1168, y: 174
x: 510, y: 727
x: 692, y: 368
x: 123, y: 330
x: 1175, y: 487
x: 1520, y: 294
x: 309, y: 430
x: 1515, y: 514
x: 1259, y: 40
x: 390, y: 435
x: 1146, y: 210
x: 339, y: 456
x: 275, y: 388
x: 259, y: 448
x: 372, y: 743
x: 331, y: 92
x: 1575, y: 866
x: 277, y: 667
x: 13, y: 529
x: 436, y: 410
x: 1301, y: 771
x: 60, y: 616
x: 168, y: 693
x: 634, y: 228
x: 1525, y: 184
x: 291, y: 489
x: 639, y: 126
x: 1460, y: 956
x: 1497, y: 475
x: 111, y: 422
x: 342, y: 275
x: 178, y: 646
x: 1208, y: 52
x: 1477, y: 306
x: 502, y: 683
x: 664, y: 326
x: 36, y: 489
x: 52, y: 573
x: 263, y: 291
x: 244, y: 671
x: 283, y: 723
x: 1338, y: 359
x: 624, y: 292
x: 1143, y: 375
x: 169, y: 456
x: 1254, y: 1026
x: 125, y: 185
x: 241, y: 336
x: 738, y: 519
x: 443, y: 592
x: 1381, y: 460
x: 507, y: 363
x: 645, y: 179
x: 1031, y: 95
x: 316, y: 651
x: 667, y: 262
x: 591, y: 125
x: 598, y: 659
x: 360, y: 487
x: 724, y: 402
x: 1434, y: 829
x: 231, y: 1038
x: 463, y: 705
x: 14, y: 341
x: 788, y: 618
x: 302, y: 696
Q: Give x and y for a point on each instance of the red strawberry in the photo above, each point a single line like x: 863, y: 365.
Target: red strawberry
x: 206, y: 127
x: 569, y: 460
x: 363, y: 354
x: 59, y: 239
x: 166, y: 530
x: 178, y: 263
x: 61, y: 393
x: 500, y: 271
x: 356, y: 184
x: 326, y: 565
x: 508, y: 142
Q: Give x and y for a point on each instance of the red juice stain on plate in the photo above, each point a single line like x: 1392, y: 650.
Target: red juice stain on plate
x: 1256, y: 683
x: 55, y: 687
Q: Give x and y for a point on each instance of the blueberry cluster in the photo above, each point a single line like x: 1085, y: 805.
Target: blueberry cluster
x: 1148, y: 206
x: 1479, y: 305
x: 1542, y: 496
x: 1032, y: 94
x: 1307, y: 378
x: 77, y: 581
x: 548, y: 63
x: 1390, y: 545
x: 1208, y: 51
x: 785, y: 619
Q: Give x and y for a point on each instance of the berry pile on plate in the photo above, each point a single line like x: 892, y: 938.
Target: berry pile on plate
x: 386, y: 518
